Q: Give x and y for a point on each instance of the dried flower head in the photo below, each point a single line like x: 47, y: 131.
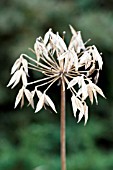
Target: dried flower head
x: 74, y: 64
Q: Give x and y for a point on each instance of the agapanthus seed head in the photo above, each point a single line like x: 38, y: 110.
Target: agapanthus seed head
x: 74, y: 64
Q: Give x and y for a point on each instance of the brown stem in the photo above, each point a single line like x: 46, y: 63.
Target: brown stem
x: 62, y: 130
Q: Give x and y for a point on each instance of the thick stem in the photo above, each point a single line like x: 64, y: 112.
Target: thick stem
x: 62, y: 130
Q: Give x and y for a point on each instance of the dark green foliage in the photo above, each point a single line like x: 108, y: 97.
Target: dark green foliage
x: 29, y: 140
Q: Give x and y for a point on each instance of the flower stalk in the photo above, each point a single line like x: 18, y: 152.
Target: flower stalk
x: 63, y: 127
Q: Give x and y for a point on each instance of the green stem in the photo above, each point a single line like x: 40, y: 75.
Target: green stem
x: 62, y: 130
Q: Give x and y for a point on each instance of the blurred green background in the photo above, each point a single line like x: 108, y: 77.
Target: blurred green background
x: 31, y: 141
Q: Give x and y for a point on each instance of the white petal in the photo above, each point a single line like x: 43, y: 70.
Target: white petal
x: 75, y: 60
x: 95, y: 95
x: 74, y: 105
x: 29, y: 97
x: 71, y: 59
x: 16, y: 65
x: 47, y: 36
x: 73, y: 30
x: 80, y: 116
x: 68, y: 62
x: 84, y: 90
x: 79, y: 105
x: 90, y: 93
x: 39, y: 93
x: 62, y: 56
x: 80, y: 42
x: 25, y: 65
x: 73, y: 82
x: 18, y: 98
x: 79, y: 92
x: 99, y: 90
x: 22, y: 101
x: 97, y: 56
x: 14, y: 78
x: 61, y: 42
x: 73, y: 43
x: 16, y: 82
x: 85, y: 113
x: 37, y: 52
x: 40, y: 103
x: 92, y: 69
x: 49, y: 102
x: 85, y: 59
x: 24, y: 78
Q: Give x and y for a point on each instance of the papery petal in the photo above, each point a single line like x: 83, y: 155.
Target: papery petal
x: 62, y: 56
x: 73, y: 82
x: 96, y: 77
x: 58, y: 43
x: 18, y: 98
x: 29, y: 97
x: 85, y: 59
x: 81, y: 45
x: 25, y: 65
x: 22, y: 101
x: 92, y: 69
x: 37, y: 52
x: 16, y: 82
x: 71, y: 59
x: 15, y: 79
x: 73, y: 30
x: 80, y: 116
x: 90, y: 93
x: 47, y: 36
x: 97, y: 57
x: 40, y: 103
x: 73, y: 43
x: 74, y: 106
x: 95, y: 95
x: 49, y: 102
x: 39, y: 93
x: 61, y: 42
x: 85, y: 113
x: 79, y: 105
x: 75, y: 60
x: 84, y: 90
x: 68, y: 63
x: 16, y: 65
x: 98, y: 90
x: 76, y: 41
x: 24, y: 78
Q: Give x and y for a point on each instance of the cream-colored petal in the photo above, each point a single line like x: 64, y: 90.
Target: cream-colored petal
x: 16, y: 65
x: 29, y: 97
x: 98, y: 90
x: 49, y: 102
x: 19, y: 97
x: 24, y: 78
x: 15, y: 79
x: 38, y: 92
x: 47, y: 36
x: 80, y: 116
x: 97, y: 57
x: 73, y: 31
x: 74, y: 106
x: 25, y: 65
x: 40, y: 103
x: 90, y: 93
x: 73, y: 82
x: 85, y: 113
x: 79, y: 105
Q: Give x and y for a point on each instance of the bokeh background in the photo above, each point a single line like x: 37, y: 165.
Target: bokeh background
x: 31, y: 141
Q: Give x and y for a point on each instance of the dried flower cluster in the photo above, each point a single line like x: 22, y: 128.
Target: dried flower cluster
x: 74, y: 64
